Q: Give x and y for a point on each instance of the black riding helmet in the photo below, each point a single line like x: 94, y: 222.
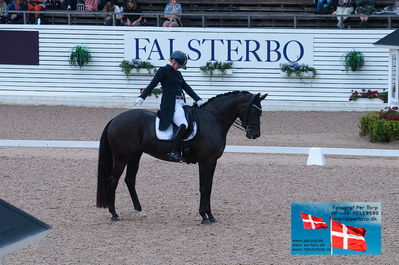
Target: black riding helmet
x: 180, y: 58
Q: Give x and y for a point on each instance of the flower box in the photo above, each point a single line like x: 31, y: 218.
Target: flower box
x: 142, y: 71
x: 219, y: 73
x: 368, y: 101
x: 304, y: 75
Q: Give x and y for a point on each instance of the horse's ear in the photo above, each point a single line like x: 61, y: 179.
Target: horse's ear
x: 263, y: 97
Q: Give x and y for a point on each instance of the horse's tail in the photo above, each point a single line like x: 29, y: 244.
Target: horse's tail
x: 104, y: 169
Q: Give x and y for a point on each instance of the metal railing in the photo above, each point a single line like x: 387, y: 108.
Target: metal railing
x: 291, y: 20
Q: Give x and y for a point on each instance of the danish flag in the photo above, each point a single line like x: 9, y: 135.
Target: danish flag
x: 312, y: 222
x: 347, y: 237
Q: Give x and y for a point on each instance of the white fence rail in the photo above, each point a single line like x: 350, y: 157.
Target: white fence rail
x: 315, y: 154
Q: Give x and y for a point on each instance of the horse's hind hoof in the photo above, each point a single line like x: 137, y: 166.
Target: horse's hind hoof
x: 206, y: 222
x: 212, y: 220
x: 115, y: 218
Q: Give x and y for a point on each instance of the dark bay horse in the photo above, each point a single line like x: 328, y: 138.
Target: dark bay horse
x: 132, y: 133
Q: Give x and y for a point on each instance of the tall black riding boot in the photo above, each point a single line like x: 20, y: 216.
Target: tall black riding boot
x: 175, y: 154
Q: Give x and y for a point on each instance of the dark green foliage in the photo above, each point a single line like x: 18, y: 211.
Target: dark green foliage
x: 127, y: 66
x: 354, y: 60
x: 80, y: 56
x: 298, y: 70
x: 210, y: 67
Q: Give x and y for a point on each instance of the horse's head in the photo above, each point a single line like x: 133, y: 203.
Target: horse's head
x: 250, y: 116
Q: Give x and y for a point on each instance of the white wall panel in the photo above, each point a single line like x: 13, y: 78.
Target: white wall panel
x: 102, y: 83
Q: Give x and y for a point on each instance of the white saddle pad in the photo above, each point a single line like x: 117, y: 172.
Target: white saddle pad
x: 168, y: 133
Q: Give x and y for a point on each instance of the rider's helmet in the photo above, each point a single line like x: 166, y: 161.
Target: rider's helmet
x: 180, y: 58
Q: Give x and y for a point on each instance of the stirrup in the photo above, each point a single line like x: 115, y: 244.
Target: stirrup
x: 176, y: 157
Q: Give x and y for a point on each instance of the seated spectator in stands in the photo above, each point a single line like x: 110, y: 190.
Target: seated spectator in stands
x: 118, y: 11
x: 324, y: 6
x: 172, y: 14
x: 91, y: 5
x: 364, y: 8
x: 131, y: 6
x: 3, y: 14
x: 37, y: 5
x: 344, y: 8
x: 14, y: 17
x: 393, y: 8
x: 110, y: 8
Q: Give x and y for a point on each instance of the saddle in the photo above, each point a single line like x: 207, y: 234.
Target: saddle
x: 192, y: 130
x: 191, y: 117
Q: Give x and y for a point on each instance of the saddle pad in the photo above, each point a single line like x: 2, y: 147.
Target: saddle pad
x: 168, y: 133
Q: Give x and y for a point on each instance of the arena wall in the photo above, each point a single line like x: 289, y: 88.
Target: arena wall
x: 102, y: 83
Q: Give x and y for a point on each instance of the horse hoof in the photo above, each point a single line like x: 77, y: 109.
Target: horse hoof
x: 114, y: 218
x: 212, y: 220
x: 206, y: 222
x: 142, y: 214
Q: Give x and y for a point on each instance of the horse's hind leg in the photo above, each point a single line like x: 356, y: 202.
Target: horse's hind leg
x: 130, y: 180
x: 117, y: 170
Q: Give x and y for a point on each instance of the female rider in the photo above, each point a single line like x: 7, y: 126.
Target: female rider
x: 173, y: 99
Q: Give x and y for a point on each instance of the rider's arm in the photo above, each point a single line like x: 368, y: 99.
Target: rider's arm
x: 155, y: 81
x: 190, y: 91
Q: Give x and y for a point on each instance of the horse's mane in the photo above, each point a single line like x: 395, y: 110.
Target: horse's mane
x: 225, y: 94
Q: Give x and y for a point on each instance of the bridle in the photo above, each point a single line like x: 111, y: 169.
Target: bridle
x: 247, y: 125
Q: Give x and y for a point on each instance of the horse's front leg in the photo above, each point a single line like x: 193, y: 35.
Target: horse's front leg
x: 206, y: 171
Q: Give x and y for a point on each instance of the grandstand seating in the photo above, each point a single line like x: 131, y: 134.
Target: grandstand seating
x: 234, y: 13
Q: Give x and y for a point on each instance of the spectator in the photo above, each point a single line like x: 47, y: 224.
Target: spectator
x: 131, y: 6
x: 110, y: 9
x: 344, y: 8
x: 91, y: 5
x: 118, y: 11
x: 172, y: 14
x: 15, y: 17
x: 67, y: 4
x: 323, y: 6
x: 37, y: 5
x: 364, y: 8
x: 3, y: 14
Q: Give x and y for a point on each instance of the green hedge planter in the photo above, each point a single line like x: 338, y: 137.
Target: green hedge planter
x: 377, y: 129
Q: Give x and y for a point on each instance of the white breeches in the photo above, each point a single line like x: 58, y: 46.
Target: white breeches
x: 178, y: 117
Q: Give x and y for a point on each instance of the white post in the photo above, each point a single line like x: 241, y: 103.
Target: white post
x: 331, y: 247
x: 395, y: 95
x: 316, y: 157
x: 390, y: 71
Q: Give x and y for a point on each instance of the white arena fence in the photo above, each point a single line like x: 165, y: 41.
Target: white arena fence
x: 315, y: 154
x: 102, y: 83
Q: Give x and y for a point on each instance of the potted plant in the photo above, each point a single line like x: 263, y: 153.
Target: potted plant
x: 80, y: 56
x: 368, y: 94
x: 353, y: 60
x: 217, y: 68
x: 127, y: 66
x: 300, y: 71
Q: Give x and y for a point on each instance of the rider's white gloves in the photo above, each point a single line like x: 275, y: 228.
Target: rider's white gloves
x: 200, y: 102
x: 138, y: 101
